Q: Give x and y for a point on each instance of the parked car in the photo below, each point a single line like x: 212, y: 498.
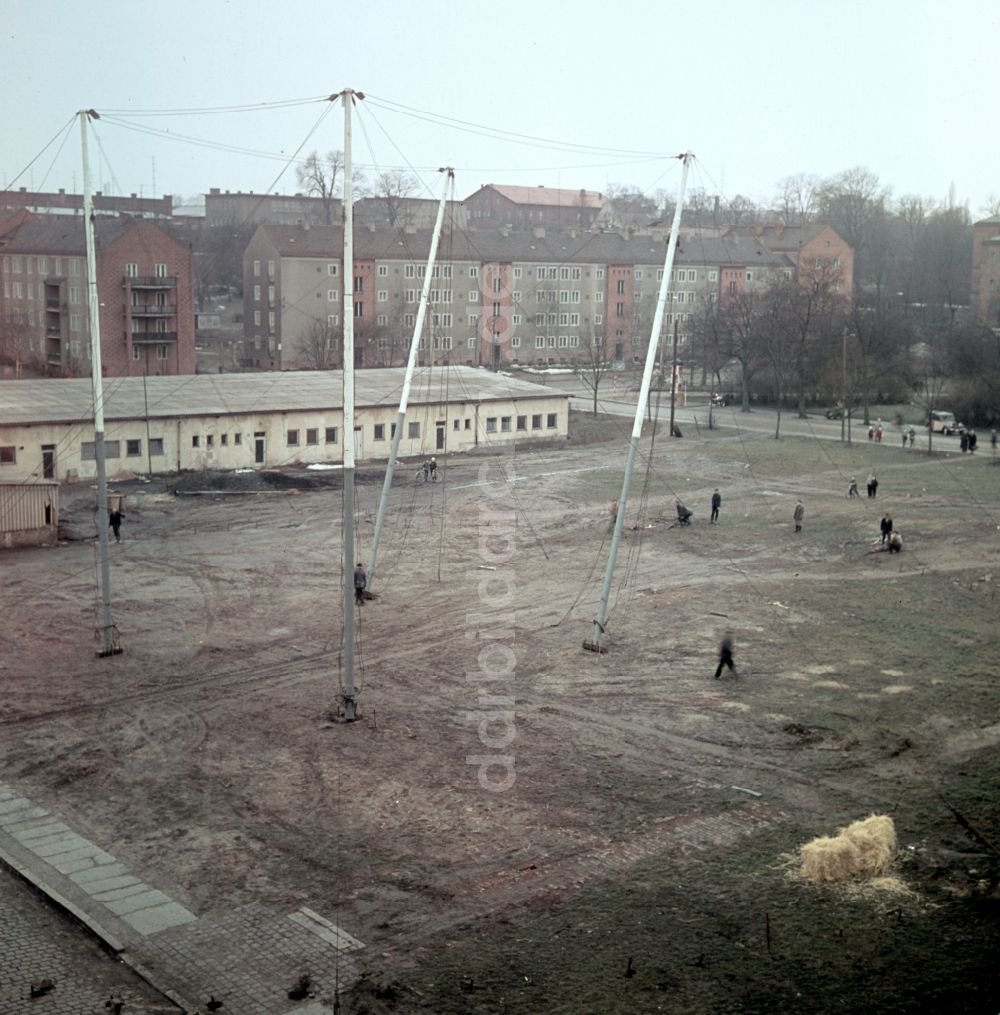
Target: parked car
x: 717, y: 400
x: 944, y: 422
x: 835, y: 413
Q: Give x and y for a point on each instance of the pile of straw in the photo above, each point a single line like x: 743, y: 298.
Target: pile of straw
x: 863, y: 849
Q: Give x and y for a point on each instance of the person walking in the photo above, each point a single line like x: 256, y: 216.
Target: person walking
x: 852, y: 489
x: 725, y: 654
x: 886, y: 526
x: 872, y: 484
x: 913, y: 437
x: 798, y: 514
x: 115, y: 523
x: 878, y: 433
x: 973, y: 441
x: 716, y: 504
x: 360, y: 581
x: 963, y: 441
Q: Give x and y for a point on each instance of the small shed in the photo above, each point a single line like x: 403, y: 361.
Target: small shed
x: 29, y: 511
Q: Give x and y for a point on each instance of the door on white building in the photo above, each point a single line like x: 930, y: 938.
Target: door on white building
x: 259, y: 448
x: 359, y: 444
x: 439, y: 443
x: 48, y: 461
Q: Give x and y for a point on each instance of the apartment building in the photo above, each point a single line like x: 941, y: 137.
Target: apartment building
x: 145, y: 288
x: 496, y: 206
x: 106, y: 205
x: 985, y: 280
x: 497, y: 297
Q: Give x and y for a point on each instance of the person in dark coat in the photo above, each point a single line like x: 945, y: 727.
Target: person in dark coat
x: 360, y: 581
x: 895, y: 542
x: 725, y: 655
x: 963, y: 442
x: 872, y: 484
x: 886, y: 526
x: 973, y: 440
x: 115, y: 522
x: 683, y: 513
x: 716, y: 504
x: 798, y: 514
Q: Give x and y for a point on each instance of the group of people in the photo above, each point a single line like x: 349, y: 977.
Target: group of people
x: 909, y: 437
x: 875, y: 432
x: 967, y: 441
x: 890, y: 538
x: 430, y: 468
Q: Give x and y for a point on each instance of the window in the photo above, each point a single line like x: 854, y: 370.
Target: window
x: 237, y: 438
x: 471, y: 343
x: 332, y: 319
x: 210, y: 440
x: 270, y: 321
x: 270, y: 269
x: 156, y: 445
x: 224, y: 440
x: 515, y: 342
x: 256, y: 268
x: 552, y: 341
x: 713, y: 276
x: 411, y: 296
x: 132, y: 270
x: 133, y: 448
x: 620, y: 287
x: 330, y: 435
x: 293, y: 438
x: 517, y: 273
x: 599, y: 273
x: 8, y: 454
x: 256, y: 293
x: 536, y: 422
x: 637, y: 274
x: 408, y: 320
x: 331, y: 269
x: 18, y: 290
x: 359, y: 309
x: 270, y: 294
x: 620, y: 309
x: 359, y: 283
x: 553, y: 420
x: 332, y: 295
x: 474, y: 272
x: 505, y: 422
x: 539, y: 341
x: 473, y: 320
x: 409, y: 271
x: 473, y: 295
x: 161, y: 352
x: 382, y: 320
x: 383, y: 270
x: 380, y: 431
x: 160, y: 271
x: 195, y: 441
x: 135, y: 352
x: 491, y: 424
x: 522, y: 422
x: 256, y: 318
x: 74, y: 292
x: 598, y: 297
x: 456, y: 424
x: 383, y: 296
x: 413, y: 429
x: 749, y: 276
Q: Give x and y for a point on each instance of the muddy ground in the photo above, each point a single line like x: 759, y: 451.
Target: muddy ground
x: 635, y: 864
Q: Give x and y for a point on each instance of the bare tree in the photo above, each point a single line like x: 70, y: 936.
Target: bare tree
x: 796, y: 199
x: 739, y: 321
x: 392, y: 189
x: 595, y: 365
x: 320, y: 346
x: 320, y: 176
x: 628, y: 206
x: 991, y: 209
x: 854, y: 202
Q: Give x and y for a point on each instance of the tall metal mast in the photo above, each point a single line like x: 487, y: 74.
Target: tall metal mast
x: 408, y: 376
x: 108, y: 635
x: 602, y: 607
x: 348, y: 704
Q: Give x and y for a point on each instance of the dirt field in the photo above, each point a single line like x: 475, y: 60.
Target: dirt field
x: 635, y: 864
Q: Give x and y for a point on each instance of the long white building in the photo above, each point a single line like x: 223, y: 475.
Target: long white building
x: 263, y: 420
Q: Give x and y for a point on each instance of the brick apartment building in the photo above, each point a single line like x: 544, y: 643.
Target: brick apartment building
x: 145, y: 287
x: 497, y: 296
x: 985, y: 280
x: 497, y: 206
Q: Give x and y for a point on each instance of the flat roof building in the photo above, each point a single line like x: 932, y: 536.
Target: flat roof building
x: 230, y: 421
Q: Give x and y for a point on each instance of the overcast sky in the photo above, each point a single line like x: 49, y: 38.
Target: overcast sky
x: 602, y: 92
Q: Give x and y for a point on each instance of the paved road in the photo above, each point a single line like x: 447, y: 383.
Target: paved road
x: 759, y: 420
x: 38, y: 942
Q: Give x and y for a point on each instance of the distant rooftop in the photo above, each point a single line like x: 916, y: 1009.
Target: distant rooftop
x: 63, y: 401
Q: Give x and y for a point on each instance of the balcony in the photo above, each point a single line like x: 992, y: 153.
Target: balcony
x: 151, y: 310
x: 148, y: 282
x: 154, y: 337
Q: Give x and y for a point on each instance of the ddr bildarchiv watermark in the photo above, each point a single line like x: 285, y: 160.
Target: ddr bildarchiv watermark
x: 491, y: 628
